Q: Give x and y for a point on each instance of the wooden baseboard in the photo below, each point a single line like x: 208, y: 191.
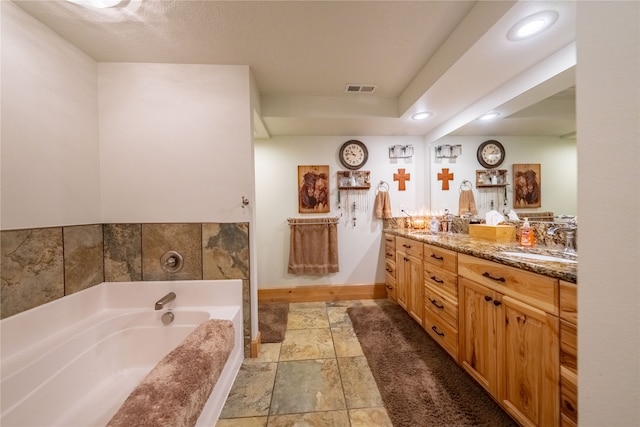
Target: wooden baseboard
x: 255, y: 345
x: 323, y: 293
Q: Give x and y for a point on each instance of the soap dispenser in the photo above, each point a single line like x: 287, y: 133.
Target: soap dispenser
x: 527, y: 236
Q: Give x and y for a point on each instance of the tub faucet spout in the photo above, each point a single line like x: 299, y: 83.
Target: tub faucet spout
x: 165, y: 300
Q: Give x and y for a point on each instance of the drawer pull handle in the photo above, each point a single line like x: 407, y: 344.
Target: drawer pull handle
x: 389, y: 270
x: 439, y: 258
x: 407, y: 246
x: 489, y: 276
x: 496, y: 303
x: 487, y: 298
x: 435, y: 279
x: 435, y: 302
x: 389, y: 254
x: 569, y: 406
x: 434, y: 329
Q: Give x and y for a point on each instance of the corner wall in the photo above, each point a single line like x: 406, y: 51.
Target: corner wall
x: 608, y: 107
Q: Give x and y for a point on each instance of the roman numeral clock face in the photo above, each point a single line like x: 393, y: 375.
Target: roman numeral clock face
x: 491, y: 154
x: 353, y: 154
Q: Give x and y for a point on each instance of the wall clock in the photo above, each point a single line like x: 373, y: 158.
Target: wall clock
x: 491, y: 154
x: 353, y: 154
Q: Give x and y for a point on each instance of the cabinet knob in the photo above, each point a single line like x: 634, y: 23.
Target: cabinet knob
x: 497, y: 303
x: 487, y: 298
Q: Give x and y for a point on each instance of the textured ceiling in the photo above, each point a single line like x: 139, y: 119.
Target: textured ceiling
x: 449, y: 57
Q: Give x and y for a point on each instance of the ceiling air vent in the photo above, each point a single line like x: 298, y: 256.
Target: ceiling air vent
x: 359, y: 88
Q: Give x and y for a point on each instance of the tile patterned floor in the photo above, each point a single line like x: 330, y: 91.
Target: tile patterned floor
x: 317, y: 377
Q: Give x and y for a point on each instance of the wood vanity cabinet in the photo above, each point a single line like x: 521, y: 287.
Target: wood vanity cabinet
x: 568, y: 354
x: 409, y: 285
x: 509, y: 330
x: 441, y: 297
x: 390, y: 265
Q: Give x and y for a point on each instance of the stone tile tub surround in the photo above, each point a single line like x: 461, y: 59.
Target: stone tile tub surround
x: 64, y: 363
x: 43, y: 264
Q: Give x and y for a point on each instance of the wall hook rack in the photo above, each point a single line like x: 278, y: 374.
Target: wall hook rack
x: 245, y: 202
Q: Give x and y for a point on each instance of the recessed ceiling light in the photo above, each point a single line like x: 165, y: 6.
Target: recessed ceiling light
x: 422, y: 115
x: 532, y: 25
x: 99, y: 4
x: 491, y: 115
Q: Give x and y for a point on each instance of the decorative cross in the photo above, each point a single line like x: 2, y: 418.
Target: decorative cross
x: 401, y: 177
x: 445, y: 176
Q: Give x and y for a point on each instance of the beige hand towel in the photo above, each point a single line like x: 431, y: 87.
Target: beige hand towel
x: 467, y: 203
x: 383, y: 205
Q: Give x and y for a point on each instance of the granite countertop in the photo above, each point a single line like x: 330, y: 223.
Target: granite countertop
x: 462, y: 243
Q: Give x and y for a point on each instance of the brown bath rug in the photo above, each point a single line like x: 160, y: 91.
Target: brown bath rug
x: 272, y: 321
x: 419, y: 383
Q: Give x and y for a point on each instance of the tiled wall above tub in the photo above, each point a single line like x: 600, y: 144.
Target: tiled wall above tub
x: 40, y: 265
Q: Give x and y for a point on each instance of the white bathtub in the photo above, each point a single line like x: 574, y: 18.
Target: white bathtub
x: 74, y: 361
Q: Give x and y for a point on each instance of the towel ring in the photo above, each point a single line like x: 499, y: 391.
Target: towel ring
x: 383, y: 186
x: 466, y: 185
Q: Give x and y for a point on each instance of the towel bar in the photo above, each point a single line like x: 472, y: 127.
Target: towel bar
x: 310, y: 221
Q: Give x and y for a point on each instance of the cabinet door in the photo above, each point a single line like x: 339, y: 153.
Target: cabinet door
x: 415, y: 297
x: 401, y: 278
x: 478, y: 333
x: 528, y: 363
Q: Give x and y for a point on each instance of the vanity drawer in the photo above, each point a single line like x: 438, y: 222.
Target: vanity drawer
x: 390, y: 253
x: 410, y: 247
x: 569, y: 301
x: 390, y: 240
x: 442, y: 332
x: 440, y: 257
x: 569, y: 395
x: 443, y: 306
x: 390, y: 284
x: 441, y: 279
x: 390, y: 268
x: 534, y: 289
x: 568, y: 345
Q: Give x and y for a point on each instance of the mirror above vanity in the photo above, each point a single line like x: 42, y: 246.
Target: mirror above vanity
x: 536, y: 133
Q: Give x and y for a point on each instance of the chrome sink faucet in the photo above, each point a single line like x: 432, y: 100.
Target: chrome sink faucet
x: 570, y: 235
x: 165, y: 300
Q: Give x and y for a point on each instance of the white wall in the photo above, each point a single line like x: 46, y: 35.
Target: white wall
x: 559, y: 175
x: 175, y: 142
x: 608, y: 97
x: 277, y: 161
x: 50, y: 152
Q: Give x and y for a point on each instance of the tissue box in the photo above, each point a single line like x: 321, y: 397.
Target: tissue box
x: 493, y: 233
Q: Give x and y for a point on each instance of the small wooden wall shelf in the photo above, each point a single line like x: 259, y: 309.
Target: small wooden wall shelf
x: 491, y: 178
x: 356, y: 180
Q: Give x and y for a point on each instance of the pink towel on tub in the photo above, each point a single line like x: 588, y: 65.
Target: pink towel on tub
x: 174, y: 393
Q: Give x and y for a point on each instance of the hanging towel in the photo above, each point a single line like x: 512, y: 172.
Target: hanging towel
x: 383, y: 205
x: 467, y: 203
x: 314, y: 246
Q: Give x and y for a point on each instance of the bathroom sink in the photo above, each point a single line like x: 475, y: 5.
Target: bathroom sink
x: 539, y: 257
